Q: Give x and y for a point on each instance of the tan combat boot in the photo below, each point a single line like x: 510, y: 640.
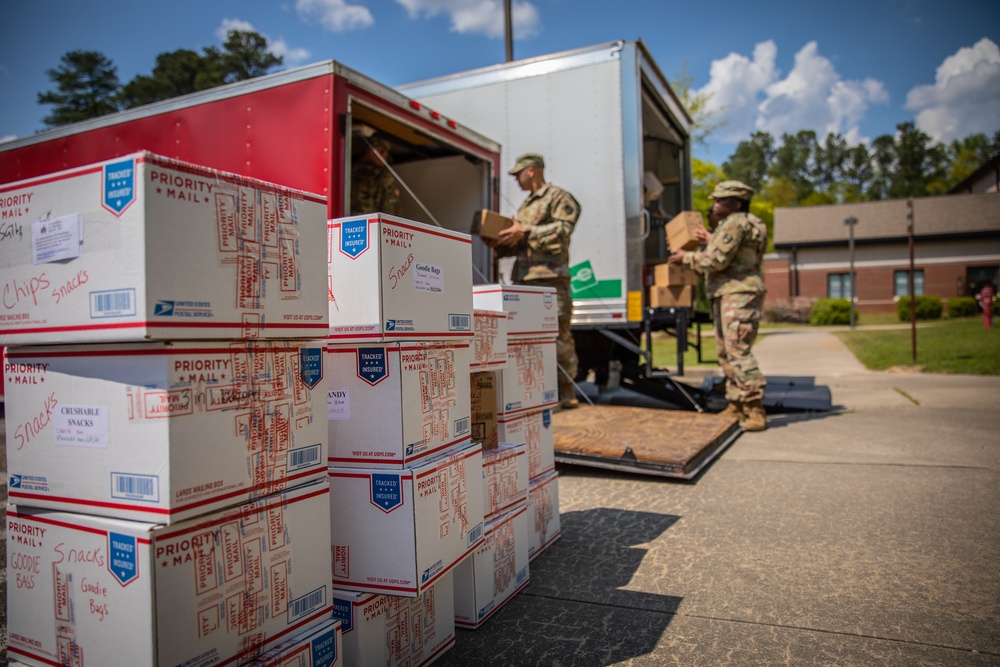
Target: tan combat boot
x: 756, y: 419
x: 567, y: 401
x: 734, y: 411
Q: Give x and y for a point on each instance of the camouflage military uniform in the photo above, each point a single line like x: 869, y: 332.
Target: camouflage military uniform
x: 549, y: 216
x: 734, y: 282
x: 373, y: 189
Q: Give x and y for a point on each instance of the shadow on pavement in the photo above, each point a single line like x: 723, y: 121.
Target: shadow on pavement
x: 577, y: 610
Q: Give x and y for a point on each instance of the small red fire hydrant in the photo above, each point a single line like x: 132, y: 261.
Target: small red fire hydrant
x: 986, y: 301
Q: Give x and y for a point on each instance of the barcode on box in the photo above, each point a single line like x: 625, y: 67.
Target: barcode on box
x: 462, y: 425
x: 306, y: 604
x: 304, y: 457
x: 459, y: 322
x: 475, y: 534
x: 112, y: 303
x: 135, y: 487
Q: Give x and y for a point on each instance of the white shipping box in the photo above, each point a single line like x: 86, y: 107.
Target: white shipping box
x: 395, y: 279
x: 529, y: 381
x: 317, y: 647
x: 219, y: 589
x: 144, y: 247
x: 505, y: 479
x: 533, y: 311
x: 495, y: 572
x: 533, y: 428
x: 397, y: 631
x: 397, y: 404
x: 398, y: 531
x: 543, y: 513
x: 162, y: 431
x: 489, y: 346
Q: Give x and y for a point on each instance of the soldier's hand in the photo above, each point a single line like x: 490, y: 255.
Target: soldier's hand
x: 677, y: 257
x: 703, y: 235
x: 513, y: 236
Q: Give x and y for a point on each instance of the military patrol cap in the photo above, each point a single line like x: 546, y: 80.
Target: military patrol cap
x: 737, y: 189
x: 527, y: 160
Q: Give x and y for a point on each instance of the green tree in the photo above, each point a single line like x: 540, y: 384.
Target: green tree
x: 86, y: 87
x: 175, y: 74
x: 857, y: 175
x: 795, y: 160
x: 243, y: 56
x: 751, y: 159
x: 883, y: 156
x: 830, y: 163
x: 704, y: 177
x: 697, y: 105
x: 919, y: 164
x: 966, y: 156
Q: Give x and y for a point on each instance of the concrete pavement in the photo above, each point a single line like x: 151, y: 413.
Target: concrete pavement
x: 864, y: 536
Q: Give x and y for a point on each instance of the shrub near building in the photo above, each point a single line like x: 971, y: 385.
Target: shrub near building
x: 962, y: 306
x: 928, y: 308
x: 831, y: 311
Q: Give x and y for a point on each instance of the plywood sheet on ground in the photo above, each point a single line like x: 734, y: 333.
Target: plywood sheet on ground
x: 671, y: 440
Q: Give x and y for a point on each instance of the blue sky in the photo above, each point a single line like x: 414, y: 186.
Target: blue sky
x: 855, y: 67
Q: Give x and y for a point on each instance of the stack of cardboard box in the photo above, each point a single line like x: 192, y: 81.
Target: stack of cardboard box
x: 405, y: 476
x: 165, y: 417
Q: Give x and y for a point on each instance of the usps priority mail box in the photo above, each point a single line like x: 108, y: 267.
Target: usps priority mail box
x: 398, y: 531
x: 533, y: 428
x: 533, y: 311
x: 145, y: 247
x: 495, y: 572
x: 543, y: 513
x: 394, y: 630
x: 529, y: 381
x: 219, y: 589
x: 396, y: 404
x: 393, y: 279
x: 505, y: 479
x: 162, y: 431
x: 489, y: 351
x: 317, y: 647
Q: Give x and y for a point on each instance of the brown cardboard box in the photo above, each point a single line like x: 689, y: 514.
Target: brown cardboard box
x: 484, y: 408
x: 489, y: 224
x: 680, y: 231
x: 662, y: 296
x: 673, y: 275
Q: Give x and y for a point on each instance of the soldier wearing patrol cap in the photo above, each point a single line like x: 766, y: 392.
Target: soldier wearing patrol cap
x: 539, y: 239
x: 732, y: 265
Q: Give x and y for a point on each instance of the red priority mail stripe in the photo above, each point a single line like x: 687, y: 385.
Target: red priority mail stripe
x: 225, y: 347
x: 441, y: 649
x: 548, y: 542
x: 482, y: 620
x: 406, y: 473
x: 165, y: 325
x: 412, y: 589
x: 70, y: 526
x: 433, y: 232
x: 227, y: 177
x: 397, y: 459
x: 273, y: 640
x: 544, y: 341
x: 52, y: 179
x: 536, y: 408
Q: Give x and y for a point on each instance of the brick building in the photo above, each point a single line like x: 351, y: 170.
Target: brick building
x: 956, y: 249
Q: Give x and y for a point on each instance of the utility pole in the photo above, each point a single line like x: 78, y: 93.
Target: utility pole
x: 913, y: 296
x: 850, y: 222
x: 508, y: 25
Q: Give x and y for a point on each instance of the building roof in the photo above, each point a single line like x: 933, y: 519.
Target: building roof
x: 951, y: 215
x: 988, y: 172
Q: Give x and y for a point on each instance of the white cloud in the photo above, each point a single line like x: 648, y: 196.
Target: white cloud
x: 748, y: 94
x: 279, y: 47
x: 484, y: 17
x: 9, y: 137
x: 734, y: 88
x: 335, y: 15
x: 965, y: 96
x: 814, y: 97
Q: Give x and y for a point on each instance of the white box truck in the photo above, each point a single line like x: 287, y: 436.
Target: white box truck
x: 605, y: 118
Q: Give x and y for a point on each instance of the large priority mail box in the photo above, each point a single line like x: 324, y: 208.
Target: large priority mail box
x: 533, y: 311
x: 396, y: 279
x: 489, y: 345
x: 485, y: 402
x: 505, y: 479
x: 144, y: 247
x: 163, y: 431
x: 396, y: 404
x: 533, y: 428
x: 219, y: 589
x: 543, y: 513
x: 316, y: 647
x: 529, y: 381
x: 398, y: 531
x: 495, y: 572
x: 394, y: 630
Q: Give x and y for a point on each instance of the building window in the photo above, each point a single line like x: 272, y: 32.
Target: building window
x: 838, y: 285
x: 901, y: 283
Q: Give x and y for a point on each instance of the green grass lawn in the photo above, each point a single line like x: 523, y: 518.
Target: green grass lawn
x: 665, y: 350
x: 945, y: 346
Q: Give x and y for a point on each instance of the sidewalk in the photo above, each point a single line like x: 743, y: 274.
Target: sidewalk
x: 866, y: 536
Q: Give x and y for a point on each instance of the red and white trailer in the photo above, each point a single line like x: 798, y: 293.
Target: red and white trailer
x: 300, y: 128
